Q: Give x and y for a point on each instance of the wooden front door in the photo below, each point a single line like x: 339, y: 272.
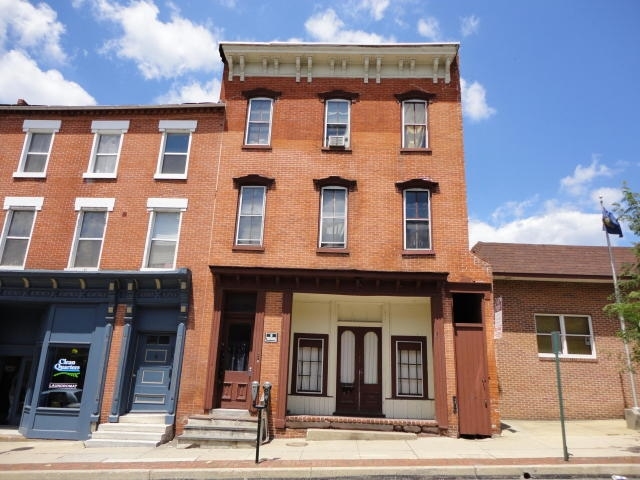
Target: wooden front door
x: 236, y: 361
x: 359, y: 376
x: 473, y: 390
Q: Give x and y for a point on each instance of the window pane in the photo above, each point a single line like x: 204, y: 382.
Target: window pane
x: 40, y: 142
x: 21, y: 223
x: 250, y: 216
x: 417, y: 204
x: 64, y: 377
x: 165, y: 225
x: 93, y: 224
x: 252, y: 201
x: 250, y: 230
x: 105, y: 164
x: 176, y: 143
x: 161, y: 254
x: 108, y: 143
x: 578, y: 345
x: 579, y: 325
x: 35, y: 162
x: 174, y: 163
x: 409, y: 369
x: 258, y: 134
x: 14, y: 252
x: 415, y: 136
x: 87, y: 253
x: 309, y: 366
x: 337, y: 111
x: 260, y: 110
x: 547, y: 323
x: 544, y: 344
x: 418, y: 235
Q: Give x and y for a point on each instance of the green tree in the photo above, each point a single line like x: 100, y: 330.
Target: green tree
x: 627, y: 304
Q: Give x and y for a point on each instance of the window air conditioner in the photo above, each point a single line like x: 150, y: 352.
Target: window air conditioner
x: 337, y: 141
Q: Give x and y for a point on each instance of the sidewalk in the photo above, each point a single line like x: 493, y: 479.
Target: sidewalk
x: 526, y: 449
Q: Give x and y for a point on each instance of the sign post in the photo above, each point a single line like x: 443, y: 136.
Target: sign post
x: 555, y: 344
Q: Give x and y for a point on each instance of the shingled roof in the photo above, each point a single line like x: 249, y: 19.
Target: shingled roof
x: 549, y: 261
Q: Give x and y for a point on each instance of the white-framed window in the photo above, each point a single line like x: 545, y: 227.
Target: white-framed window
x: 173, y: 162
x: 165, y: 218
x: 337, y: 123
x: 414, y: 124
x: 409, y: 359
x: 250, y: 222
x: 107, y: 143
x: 333, y: 217
x: 310, y: 364
x: 17, y: 231
x: 417, y: 225
x: 576, y: 335
x: 91, y: 226
x: 37, y: 147
x: 259, y: 119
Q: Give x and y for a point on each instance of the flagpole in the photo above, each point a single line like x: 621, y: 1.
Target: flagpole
x: 623, y: 328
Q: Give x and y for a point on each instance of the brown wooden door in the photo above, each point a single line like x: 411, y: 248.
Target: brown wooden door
x: 359, y: 376
x: 236, y: 362
x: 473, y: 394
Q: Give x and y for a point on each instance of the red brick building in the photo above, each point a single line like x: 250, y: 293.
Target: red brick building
x: 309, y: 231
x: 545, y: 288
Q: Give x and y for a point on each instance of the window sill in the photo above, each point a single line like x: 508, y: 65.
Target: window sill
x: 256, y: 147
x: 248, y: 248
x: 415, y: 151
x: 418, y: 253
x: 334, y: 251
x: 570, y: 358
x: 29, y: 175
x: 157, y: 269
x: 170, y: 176
x: 302, y: 394
x: 82, y: 269
x: 337, y: 149
x: 108, y: 176
x: 422, y: 397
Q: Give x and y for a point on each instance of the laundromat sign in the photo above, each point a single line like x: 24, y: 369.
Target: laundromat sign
x: 65, y: 369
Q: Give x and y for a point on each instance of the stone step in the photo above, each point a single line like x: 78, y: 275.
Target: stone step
x: 143, y: 418
x: 135, y: 427
x: 223, y: 421
x: 118, y: 435
x: 103, y: 443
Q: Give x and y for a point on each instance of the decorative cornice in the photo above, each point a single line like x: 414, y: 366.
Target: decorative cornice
x: 426, y: 183
x: 253, y: 179
x: 334, y: 181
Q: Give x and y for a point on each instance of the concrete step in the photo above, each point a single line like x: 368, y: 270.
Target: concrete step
x: 117, y: 435
x: 99, y: 443
x: 135, y: 427
x: 136, y: 431
x: 221, y: 428
x: 142, y: 418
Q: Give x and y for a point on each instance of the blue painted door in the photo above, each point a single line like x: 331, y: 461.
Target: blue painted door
x: 151, y: 377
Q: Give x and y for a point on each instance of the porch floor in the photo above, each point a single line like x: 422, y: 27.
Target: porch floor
x: 304, y: 422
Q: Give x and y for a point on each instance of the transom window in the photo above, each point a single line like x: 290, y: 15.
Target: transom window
x: 417, y: 225
x: 174, y: 151
x: 333, y: 217
x: 414, y: 124
x: 310, y: 363
x: 37, y: 147
x: 259, y: 121
x: 409, y: 366
x: 106, y: 147
x: 337, y: 121
x: 576, y: 335
x: 250, y: 225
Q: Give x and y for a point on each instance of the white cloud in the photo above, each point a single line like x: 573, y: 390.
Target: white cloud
x: 34, y: 29
x: 326, y: 26
x: 474, y: 101
x: 429, y: 28
x: 577, y: 183
x: 562, y: 226
x: 376, y: 8
x: 192, y: 92
x: 22, y: 78
x: 469, y: 25
x: 160, y: 49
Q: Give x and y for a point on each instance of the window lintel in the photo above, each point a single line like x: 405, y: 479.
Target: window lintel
x: 425, y: 182
x: 253, y: 179
x: 339, y: 95
x: 261, y: 92
x: 334, y: 181
x: 415, y: 95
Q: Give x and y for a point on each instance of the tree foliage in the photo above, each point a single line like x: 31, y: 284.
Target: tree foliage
x: 627, y: 304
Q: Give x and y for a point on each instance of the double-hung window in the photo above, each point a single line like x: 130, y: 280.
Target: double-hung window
x: 414, y: 124
x: 576, y: 335
x: 37, y: 147
x: 309, y: 364
x: 417, y: 225
x: 333, y: 218
x: 259, y: 119
x: 90, y: 230
x: 17, y: 231
x: 409, y: 360
x: 164, y: 232
x: 107, y: 142
x: 337, y: 123
x: 174, y: 150
x: 251, y: 215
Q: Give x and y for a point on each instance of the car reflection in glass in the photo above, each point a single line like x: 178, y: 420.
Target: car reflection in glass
x: 61, y: 398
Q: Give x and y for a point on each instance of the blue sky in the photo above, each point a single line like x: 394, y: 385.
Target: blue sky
x: 549, y: 87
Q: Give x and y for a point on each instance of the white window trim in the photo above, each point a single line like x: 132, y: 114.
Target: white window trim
x: 561, y: 316
x: 36, y: 126
x: 404, y: 219
x: 13, y: 204
x: 89, y: 204
x: 246, y: 131
x: 106, y: 127
x: 264, y: 206
x: 346, y: 210
x: 426, y: 124
x: 347, y: 136
x: 174, y: 126
x: 155, y: 205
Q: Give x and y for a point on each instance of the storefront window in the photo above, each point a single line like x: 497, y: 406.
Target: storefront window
x: 64, y: 376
